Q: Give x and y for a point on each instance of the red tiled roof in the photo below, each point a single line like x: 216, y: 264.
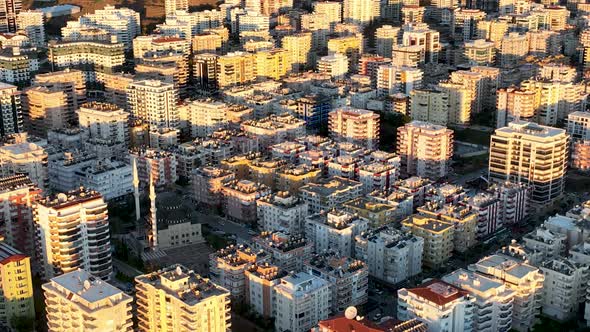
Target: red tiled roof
x: 167, y: 39
x: 343, y: 324
x: 428, y: 291
x: 13, y: 258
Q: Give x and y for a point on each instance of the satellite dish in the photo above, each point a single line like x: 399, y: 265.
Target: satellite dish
x: 350, y: 312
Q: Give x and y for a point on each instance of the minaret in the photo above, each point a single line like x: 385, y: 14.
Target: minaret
x: 152, y: 219
x: 136, y: 190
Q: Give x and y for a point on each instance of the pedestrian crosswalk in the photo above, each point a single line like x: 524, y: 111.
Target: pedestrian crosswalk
x: 153, y: 255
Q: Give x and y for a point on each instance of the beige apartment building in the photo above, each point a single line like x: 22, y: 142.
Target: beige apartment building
x: 425, y: 149
x: 356, y: 126
x: 228, y: 265
x: 46, y: 108
x: 515, y: 104
x: 462, y: 217
x: 177, y: 299
x: 235, y: 68
x: 288, y: 251
x: 239, y: 199
x: 79, y: 301
x: 438, y: 238
x: 532, y: 154
x: 207, y: 182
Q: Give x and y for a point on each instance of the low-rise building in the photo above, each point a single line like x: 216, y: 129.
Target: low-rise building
x: 239, y: 199
x: 302, y: 301
x: 391, y: 255
x: 325, y: 194
x: 348, y: 278
x: 438, y: 238
x: 334, y: 230
x: 442, y: 306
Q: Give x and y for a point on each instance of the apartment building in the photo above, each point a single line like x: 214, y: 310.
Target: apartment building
x: 525, y: 280
x: 32, y: 22
x: 370, y: 208
x: 104, y: 122
x: 287, y: 251
x: 348, y: 278
x: 515, y: 104
x: 261, y: 279
x: 480, y: 52
x: 207, y: 182
x: 489, y: 213
x: 420, y: 34
x: 11, y: 113
x: 123, y: 23
x: 543, y: 245
x: 334, y: 230
x: 440, y: 305
x: 356, y: 126
x: 463, y: 219
x: 171, y: 6
x: 555, y: 99
x: 332, y: 11
x: 282, y: 212
x: 18, y: 195
x: 154, y: 102
x: 429, y: 105
x: 425, y: 149
x: 204, y: 116
x: 459, y: 101
x: 235, y: 68
x: 578, y: 128
x: 386, y: 37
x: 392, y: 79
x: 16, y: 285
x: 360, y: 12
x: 540, y: 154
x: 299, y: 46
x: 438, y: 238
x: 351, y: 46
x: 227, y: 267
x: 391, y: 255
x: 18, y: 66
x: 27, y: 158
x: 177, y: 298
x: 94, y: 58
x: 79, y: 300
x: 325, y: 194
x: 302, y: 301
x: 564, y: 287
x: 240, y: 197
x: 155, y: 165
x: 274, y: 129
x: 335, y: 65
x: 90, y: 245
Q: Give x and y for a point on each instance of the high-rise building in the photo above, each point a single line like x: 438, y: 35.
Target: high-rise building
x: 464, y: 23
x: 272, y: 64
x: 532, y: 154
x: 564, y: 287
x: 430, y: 106
x: 299, y: 46
x: 555, y: 99
x: 578, y: 127
x: 32, y: 22
x: 480, y: 52
x: 281, y: 212
x: 514, y: 48
x: 360, y: 12
x: 442, y: 306
x: 425, y: 149
x: 79, y: 300
x: 88, y: 242
x: 154, y: 102
x: 18, y: 66
x: 46, y: 109
x: 385, y: 38
x: 105, y: 123
x: 170, y: 67
x: 459, y: 100
x: 11, y: 114
x: 17, y: 197
x: 235, y: 68
x: 351, y: 46
x: 419, y: 34
x: 335, y: 65
x: 355, y: 125
x: 205, y: 71
x: 334, y: 230
x: 123, y: 23
x: 514, y: 104
x: 171, y: 6
x: 9, y: 10
x: 393, y: 79
x: 17, y: 287
x: 332, y: 11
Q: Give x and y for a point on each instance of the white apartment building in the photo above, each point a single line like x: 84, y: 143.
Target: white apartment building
x: 540, y: 154
x: 261, y: 279
x: 332, y: 10
x: 203, y: 117
x: 171, y: 6
x: 348, y: 278
x: 442, y: 306
x: 393, y: 79
x: 544, y: 244
x: 104, y: 122
x: 32, y: 22
x: 489, y: 213
x: 154, y: 102
x: 253, y: 21
x: 334, y: 230
x: 515, y: 104
x: 123, y: 23
x: 480, y: 52
x: 556, y: 100
x: 177, y: 298
x: 525, y: 280
x: 302, y: 301
x: 286, y: 251
x: 377, y: 176
x: 428, y: 39
x: 391, y: 255
x: 90, y: 247
x: 425, y: 149
x: 78, y: 300
x: 565, y: 286
x: 274, y: 129
x: 356, y: 126
x: 26, y: 158
x: 111, y: 178
x: 386, y: 37
x: 514, y: 199
x: 281, y: 212
x: 326, y: 194
x: 17, y: 66
x: 493, y: 299
x: 335, y: 65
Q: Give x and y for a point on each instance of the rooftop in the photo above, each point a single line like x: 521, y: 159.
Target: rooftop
x: 83, y: 284
x: 439, y: 292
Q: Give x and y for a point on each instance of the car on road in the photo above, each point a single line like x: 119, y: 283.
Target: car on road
x: 251, y: 232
